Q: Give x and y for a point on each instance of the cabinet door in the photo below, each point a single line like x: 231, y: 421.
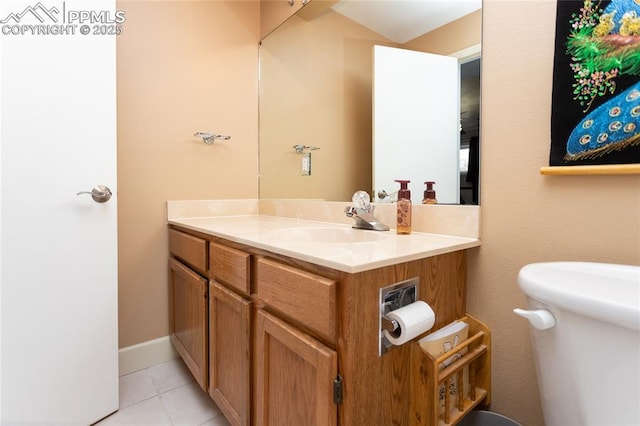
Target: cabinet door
x: 294, y: 376
x: 229, y: 352
x: 189, y: 327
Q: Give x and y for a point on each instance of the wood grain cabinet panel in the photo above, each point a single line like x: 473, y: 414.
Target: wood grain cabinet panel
x: 230, y: 267
x: 305, y: 297
x: 189, y: 326
x: 229, y: 353
x: 263, y: 336
x: 189, y: 249
x: 294, y: 376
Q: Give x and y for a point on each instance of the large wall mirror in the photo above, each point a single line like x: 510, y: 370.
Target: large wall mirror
x: 316, y: 94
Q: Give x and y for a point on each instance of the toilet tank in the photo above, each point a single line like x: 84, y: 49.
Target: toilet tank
x: 588, y: 363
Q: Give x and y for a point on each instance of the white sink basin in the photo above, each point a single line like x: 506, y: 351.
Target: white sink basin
x: 326, y: 235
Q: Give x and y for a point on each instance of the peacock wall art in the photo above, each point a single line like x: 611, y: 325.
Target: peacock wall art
x: 596, y: 86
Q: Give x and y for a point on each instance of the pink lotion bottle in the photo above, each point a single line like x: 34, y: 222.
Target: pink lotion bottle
x: 429, y: 194
x: 403, y: 225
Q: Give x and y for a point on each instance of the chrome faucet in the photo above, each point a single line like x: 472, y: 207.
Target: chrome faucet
x: 362, y: 212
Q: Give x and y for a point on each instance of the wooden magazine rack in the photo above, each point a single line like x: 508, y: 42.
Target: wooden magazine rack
x: 428, y: 376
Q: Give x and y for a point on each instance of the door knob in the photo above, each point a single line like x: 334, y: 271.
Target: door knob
x: 100, y: 194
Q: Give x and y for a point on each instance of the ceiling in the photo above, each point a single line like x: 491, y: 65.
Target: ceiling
x: 404, y: 20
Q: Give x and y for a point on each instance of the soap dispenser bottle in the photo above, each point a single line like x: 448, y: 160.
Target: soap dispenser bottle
x: 404, y: 208
x: 429, y: 194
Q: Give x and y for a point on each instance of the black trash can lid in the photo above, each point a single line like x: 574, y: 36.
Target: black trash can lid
x: 486, y: 418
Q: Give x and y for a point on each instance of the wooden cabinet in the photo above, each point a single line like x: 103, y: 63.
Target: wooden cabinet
x: 306, y: 298
x: 229, y: 353
x: 230, y: 267
x: 294, y: 376
x: 280, y: 341
x: 189, y: 326
x: 189, y: 249
x: 230, y: 332
x: 294, y: 372
x: 188, y: 293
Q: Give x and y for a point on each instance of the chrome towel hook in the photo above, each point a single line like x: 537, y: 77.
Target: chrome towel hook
x: 210, y: 138
x: 300, y: 148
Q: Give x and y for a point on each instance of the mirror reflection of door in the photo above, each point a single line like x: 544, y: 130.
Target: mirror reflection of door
x: 316, y: 82
x: 415, y: 138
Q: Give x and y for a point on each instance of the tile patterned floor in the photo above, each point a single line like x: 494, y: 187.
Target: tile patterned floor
x: 165, y: 394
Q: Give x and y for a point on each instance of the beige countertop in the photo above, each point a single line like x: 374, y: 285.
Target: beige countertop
x: 334, y: 245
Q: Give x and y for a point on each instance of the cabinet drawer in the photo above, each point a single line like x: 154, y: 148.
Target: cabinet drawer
x: 191, y: 250
x: 230, y: 266
x: 307, y: 298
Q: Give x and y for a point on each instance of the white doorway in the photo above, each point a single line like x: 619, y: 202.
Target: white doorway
x: 415, y: 122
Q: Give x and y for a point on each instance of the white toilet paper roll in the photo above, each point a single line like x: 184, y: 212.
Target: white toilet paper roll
x: 413, y: 319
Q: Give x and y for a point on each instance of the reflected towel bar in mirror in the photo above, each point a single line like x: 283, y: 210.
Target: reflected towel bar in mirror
x: 210, y: 138
x: 300, y: 148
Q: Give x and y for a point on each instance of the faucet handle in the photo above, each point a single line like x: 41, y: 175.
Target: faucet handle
x: 362, y: 201
x: 349, y: 211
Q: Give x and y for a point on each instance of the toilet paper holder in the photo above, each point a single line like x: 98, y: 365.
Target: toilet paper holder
x: 390, y: 325
x: 393, y: 297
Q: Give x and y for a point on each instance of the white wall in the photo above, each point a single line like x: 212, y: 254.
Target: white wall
x: 527, y: 217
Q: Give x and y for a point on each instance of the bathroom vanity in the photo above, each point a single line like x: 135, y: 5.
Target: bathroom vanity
x: 279, y: 319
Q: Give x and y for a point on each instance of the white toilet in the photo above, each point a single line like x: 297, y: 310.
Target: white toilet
x: 585, y: 325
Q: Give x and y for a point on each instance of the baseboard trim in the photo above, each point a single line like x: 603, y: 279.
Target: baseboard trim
x: 146, y: 354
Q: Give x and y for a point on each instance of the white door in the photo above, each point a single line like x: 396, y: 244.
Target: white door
x: 416, y: 123
x: 58, y: 252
